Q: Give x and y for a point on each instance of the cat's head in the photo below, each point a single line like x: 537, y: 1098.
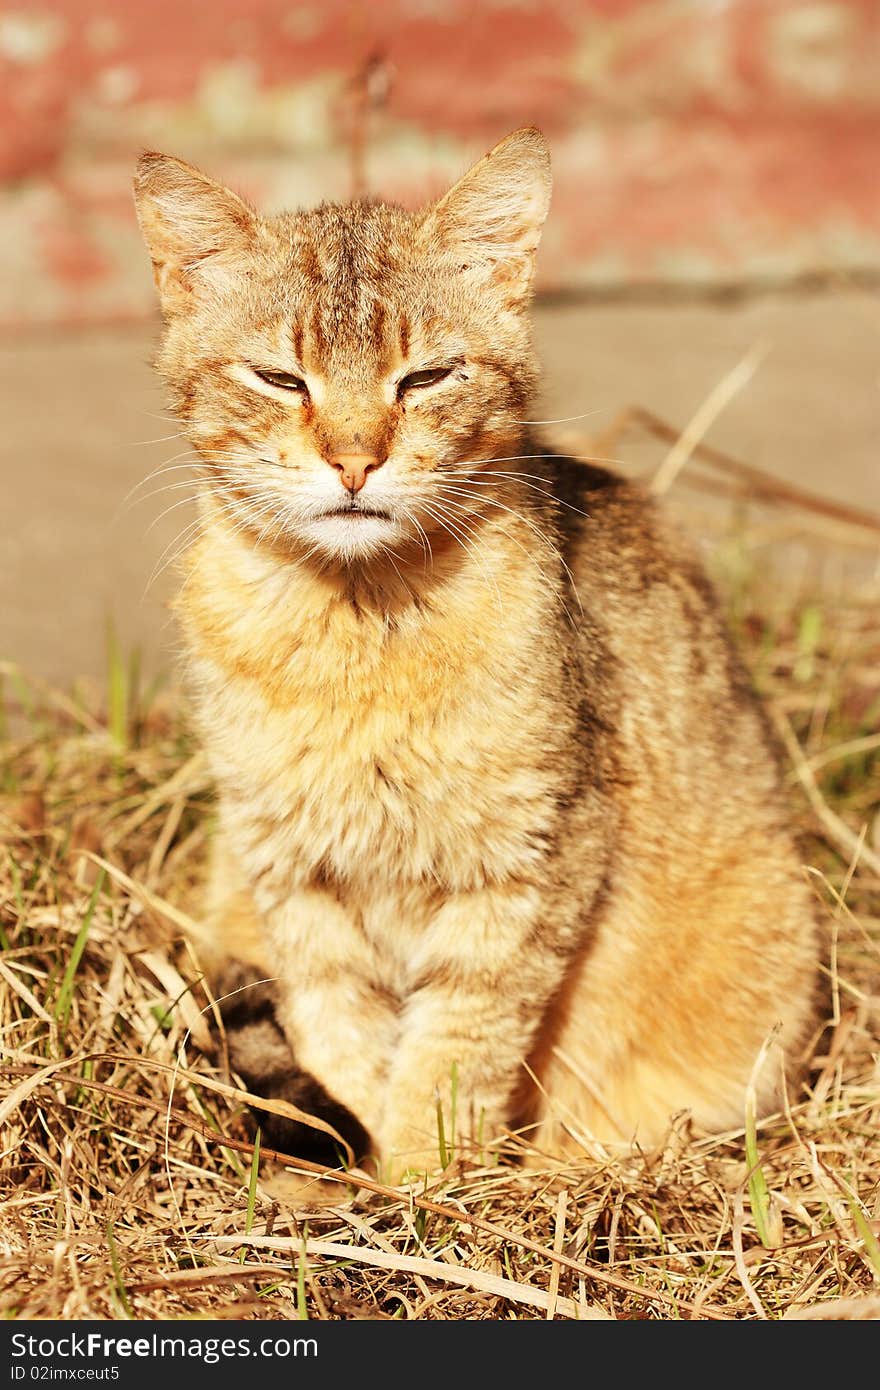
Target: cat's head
x: 343, y: 371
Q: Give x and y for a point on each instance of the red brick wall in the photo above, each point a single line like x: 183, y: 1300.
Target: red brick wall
x: 696, y: 142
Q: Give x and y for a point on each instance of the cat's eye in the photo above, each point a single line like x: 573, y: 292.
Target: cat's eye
x: 285, y: 381
x: 429, y: 376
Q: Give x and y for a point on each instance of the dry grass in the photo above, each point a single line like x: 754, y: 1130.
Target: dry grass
x: 129, y: 1186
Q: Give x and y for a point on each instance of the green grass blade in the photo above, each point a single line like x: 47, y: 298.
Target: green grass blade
x: 866, y: 1235
x: 117, y: 1273
x: 24, y: 695
x: 808, y: 637
x: 65, y: 993
x: 302, y: 1310
x: 759, y: 1193
x: 252, y: 1185
x: 117, y: 690
x: 441, y: 1136
x: 133, y: 697
x: 252, y: 1193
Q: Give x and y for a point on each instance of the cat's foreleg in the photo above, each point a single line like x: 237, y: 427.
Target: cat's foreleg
x: 470, y: 1023
x: 342, y: 1028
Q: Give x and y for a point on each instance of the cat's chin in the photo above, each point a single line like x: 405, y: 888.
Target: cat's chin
x: 350, y: 535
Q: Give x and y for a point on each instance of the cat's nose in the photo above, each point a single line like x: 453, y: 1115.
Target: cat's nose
x: 354, y: 468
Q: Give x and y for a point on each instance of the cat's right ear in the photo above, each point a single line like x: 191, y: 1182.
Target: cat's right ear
x: 195, y: 229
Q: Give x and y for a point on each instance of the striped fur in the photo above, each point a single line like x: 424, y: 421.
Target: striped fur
x: 496, y: 801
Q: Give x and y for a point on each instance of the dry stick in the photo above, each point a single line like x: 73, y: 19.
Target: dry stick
x: 189, y: 779
x: 846, y: 1227
x: 38, y: 1078
x: 160, y: 906
x: 365, y: 1229
x: 701, y: 477
x: 850, y: 749
x: 558, y: 1239
x: 478, y: 1279
x: 162, y: 845
x: 283, y: 1108
x: 764, y: 485
x: 702, y: 421
x: 739, y: 1254
x: 24, y: 993
x: 358, y: 1179
x: 837, y: 829
x: 844, y: 1309
x: 189, y: 1278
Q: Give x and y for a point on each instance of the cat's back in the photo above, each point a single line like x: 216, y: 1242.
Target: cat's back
x: 617, y: 540
x: 689, y: 719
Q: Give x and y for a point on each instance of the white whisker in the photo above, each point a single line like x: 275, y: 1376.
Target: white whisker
x: 526, y: 521
x: 567, y: 419
x: 177, y: 546
x: 467, y: 545
x: 484, y: 481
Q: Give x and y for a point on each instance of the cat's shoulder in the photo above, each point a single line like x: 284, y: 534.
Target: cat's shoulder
x: 616, y: 520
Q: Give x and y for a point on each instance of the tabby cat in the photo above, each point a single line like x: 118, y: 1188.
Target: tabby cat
x: 497, y: 808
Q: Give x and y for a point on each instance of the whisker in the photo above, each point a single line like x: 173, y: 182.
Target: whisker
x: 389, y: 553
x: 468, y: 546
x: 221, y: 474
x: 160, y: 439
x: 567, y: 419
x: 177, y: 546
x: 483, y: 481
x: 422, y: 534
x: 526, y: 521
x: 169, y: 466
x: 222, y: 464
x: 248, y: 516
x: 277, y: 517
x: 181, y: 502
x: 551, y: 454
x: 550, y: 582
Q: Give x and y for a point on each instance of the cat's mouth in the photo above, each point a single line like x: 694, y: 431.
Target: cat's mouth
x: 357, y: 513
x: 350, y: 531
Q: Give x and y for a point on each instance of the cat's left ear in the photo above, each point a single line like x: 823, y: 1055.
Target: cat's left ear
x: 195, y: 229
x: 491, y: 219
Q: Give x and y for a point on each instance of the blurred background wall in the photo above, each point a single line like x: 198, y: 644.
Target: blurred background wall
x: 697, y: 143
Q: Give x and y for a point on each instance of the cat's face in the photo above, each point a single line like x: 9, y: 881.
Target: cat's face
x: 342, y: 372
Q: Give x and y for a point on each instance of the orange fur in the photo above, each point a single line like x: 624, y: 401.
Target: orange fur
x: 494, y: 795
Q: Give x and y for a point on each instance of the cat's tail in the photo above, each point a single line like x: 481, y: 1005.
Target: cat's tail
x: 260, y: 1054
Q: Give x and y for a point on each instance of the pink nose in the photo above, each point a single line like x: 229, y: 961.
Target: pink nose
x: 354, y: 468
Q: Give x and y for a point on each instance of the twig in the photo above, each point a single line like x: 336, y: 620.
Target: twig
x: 846, y: 1309
x: 739, y: 1258
x: 704, y: 418
x: 764, y: 486
x: 851, y: 749
x: 838, y: 830
x: 465, y: 1277
x: 558, y: 1238
x: 192, y: 1278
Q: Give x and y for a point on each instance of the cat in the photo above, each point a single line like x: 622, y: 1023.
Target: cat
x: 498, y: 809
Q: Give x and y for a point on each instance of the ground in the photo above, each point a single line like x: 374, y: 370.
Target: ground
x: 131, y: 1183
